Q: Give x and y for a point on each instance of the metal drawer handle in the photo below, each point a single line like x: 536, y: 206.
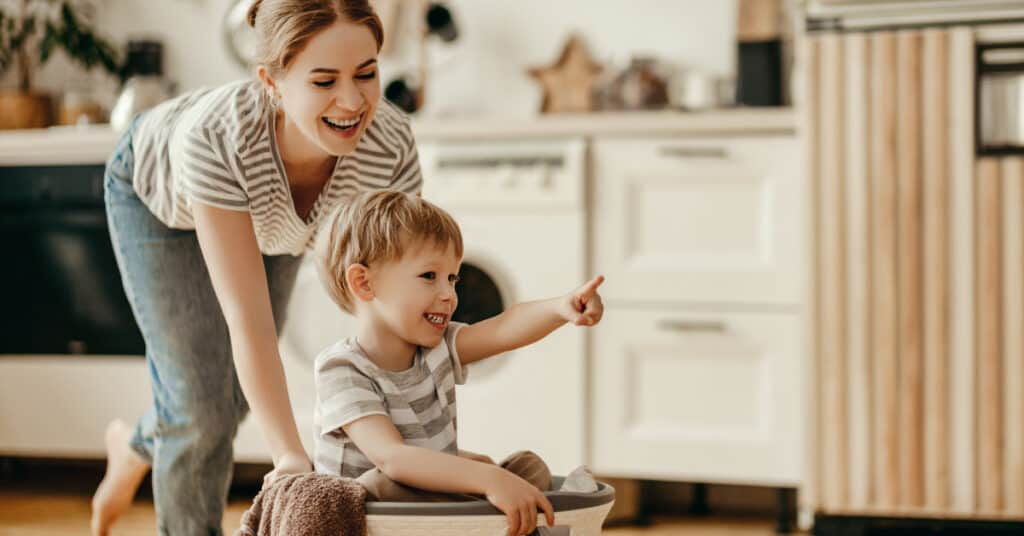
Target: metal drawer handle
x: 1011, y: 56
x: 488, y: 162
x: 692, y: 325
x: 693, y: 152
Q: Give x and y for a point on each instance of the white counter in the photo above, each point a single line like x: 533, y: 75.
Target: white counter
x: 93, y: 144
x: 57, y: 146
x: 739, y: 120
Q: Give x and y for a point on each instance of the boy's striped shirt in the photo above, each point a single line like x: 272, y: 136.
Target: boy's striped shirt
x: 420, y: 401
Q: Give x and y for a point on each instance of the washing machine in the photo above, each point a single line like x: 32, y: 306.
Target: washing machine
x: 520, y: 208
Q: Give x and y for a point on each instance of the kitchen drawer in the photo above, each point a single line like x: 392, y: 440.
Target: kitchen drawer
x: 708, y: 220
x: 703, y: 397
x: 58, y: 406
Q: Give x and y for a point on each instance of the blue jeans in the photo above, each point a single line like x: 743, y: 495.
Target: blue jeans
x: 197, y: 403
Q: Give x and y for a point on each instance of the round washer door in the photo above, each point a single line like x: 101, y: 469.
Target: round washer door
x: 481, y: 296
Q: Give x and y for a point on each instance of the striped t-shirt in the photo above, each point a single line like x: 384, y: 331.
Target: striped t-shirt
x: 420, y: 401
x: 219, y: 146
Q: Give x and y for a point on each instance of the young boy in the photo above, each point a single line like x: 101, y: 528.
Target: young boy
x: 385, y: 410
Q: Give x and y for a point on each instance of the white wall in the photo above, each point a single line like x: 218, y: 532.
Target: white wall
x: 485, y: 70
x: 482, y: 73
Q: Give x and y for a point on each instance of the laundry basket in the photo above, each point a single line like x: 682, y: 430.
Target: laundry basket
x: 576, y: 514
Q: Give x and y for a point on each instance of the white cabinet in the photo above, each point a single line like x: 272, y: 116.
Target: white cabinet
x: 703, y: 397
x: 697, y: 366
x: 698, y: 219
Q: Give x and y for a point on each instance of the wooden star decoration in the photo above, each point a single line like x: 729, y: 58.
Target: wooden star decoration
x: 569, y: 82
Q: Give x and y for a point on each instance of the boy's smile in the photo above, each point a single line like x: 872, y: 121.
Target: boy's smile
x: 438, y: 320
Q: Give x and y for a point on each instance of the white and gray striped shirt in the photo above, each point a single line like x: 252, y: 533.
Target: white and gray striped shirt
x: 420, y: 401
x: 218, y: 146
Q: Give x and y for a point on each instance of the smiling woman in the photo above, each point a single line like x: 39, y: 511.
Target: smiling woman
x: 212, y: 199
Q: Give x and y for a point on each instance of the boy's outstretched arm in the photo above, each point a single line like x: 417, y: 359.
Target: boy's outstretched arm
x: 526, y: 323
x: 379, y: 439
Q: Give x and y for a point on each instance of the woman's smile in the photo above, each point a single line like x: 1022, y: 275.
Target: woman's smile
x: 346, y: 128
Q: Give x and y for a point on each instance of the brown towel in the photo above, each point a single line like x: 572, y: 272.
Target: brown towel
x: 308, y: 504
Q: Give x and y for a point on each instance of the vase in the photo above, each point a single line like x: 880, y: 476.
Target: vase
x: 19, y: 109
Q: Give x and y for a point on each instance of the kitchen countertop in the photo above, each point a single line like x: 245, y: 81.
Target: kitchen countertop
x: 93, y: 144
x: 660, y: 123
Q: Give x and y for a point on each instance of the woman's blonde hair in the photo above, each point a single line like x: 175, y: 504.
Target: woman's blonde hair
x: 283, y: 27
x: 378, y: 226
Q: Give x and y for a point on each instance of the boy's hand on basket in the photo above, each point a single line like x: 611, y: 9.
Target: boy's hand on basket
x: 519, y: 500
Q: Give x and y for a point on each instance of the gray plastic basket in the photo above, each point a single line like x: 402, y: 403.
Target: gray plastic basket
x: 576, y: 514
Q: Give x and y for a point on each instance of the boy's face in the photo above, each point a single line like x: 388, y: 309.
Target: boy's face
x: 415, y: 296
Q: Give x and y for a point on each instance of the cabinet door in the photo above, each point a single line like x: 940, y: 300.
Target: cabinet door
x: 702, y: 397
x: 699, y: 219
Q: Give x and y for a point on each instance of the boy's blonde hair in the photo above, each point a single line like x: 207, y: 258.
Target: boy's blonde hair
x: 374, y: 227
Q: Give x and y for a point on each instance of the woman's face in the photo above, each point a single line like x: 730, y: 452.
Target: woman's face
x: 330, y: 91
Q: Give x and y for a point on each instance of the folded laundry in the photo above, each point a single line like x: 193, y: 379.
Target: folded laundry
x: 579, y: 480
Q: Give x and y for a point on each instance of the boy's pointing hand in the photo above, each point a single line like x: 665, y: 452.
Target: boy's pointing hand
x: 583, y: 305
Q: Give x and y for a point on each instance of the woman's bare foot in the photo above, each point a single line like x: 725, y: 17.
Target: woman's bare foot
x: 125, y: 471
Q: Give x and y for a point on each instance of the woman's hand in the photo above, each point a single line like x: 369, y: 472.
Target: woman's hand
x: 583, y: 306
x: 519, y: 500
x: 289, y: 463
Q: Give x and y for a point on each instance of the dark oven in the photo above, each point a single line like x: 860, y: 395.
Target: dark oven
x: 60, y: 284
x: 1000, y: 98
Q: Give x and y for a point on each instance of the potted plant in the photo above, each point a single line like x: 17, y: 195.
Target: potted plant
x: 30, y: 31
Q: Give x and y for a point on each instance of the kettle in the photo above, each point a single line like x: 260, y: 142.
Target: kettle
x: 145, y: 86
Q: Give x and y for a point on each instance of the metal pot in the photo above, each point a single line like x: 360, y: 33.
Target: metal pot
x: 694, y: 89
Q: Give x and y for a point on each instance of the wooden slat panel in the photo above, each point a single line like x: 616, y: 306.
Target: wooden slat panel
x: 1013, y: 331
x: 937, y: 275
x: 990, y: 456
x: 809, y: 48
x: 961, y: 80
x: 832, y: 273
x: 911, y: 391
x: 758, y: 20
x: 883, y: 266
x: 858, y: 306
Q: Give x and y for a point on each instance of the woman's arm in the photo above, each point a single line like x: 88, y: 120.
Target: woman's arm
x: 526, y: 323
x: 379, y: 439
x: 233, y: 258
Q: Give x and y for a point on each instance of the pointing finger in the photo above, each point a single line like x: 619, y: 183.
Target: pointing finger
x: 588, y: 289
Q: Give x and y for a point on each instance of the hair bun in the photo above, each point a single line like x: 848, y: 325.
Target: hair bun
x: 251, y: 16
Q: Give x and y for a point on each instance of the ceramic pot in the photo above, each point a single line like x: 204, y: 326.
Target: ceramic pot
x: 25, y: 110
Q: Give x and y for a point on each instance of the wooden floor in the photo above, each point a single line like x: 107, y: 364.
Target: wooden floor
x: 44, y: 499
x: 53, y: 515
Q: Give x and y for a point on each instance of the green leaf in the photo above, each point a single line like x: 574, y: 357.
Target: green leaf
x: 22, y: 34
x: 48, y: 25
x: 50, y: 39
x: 68, y: 16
